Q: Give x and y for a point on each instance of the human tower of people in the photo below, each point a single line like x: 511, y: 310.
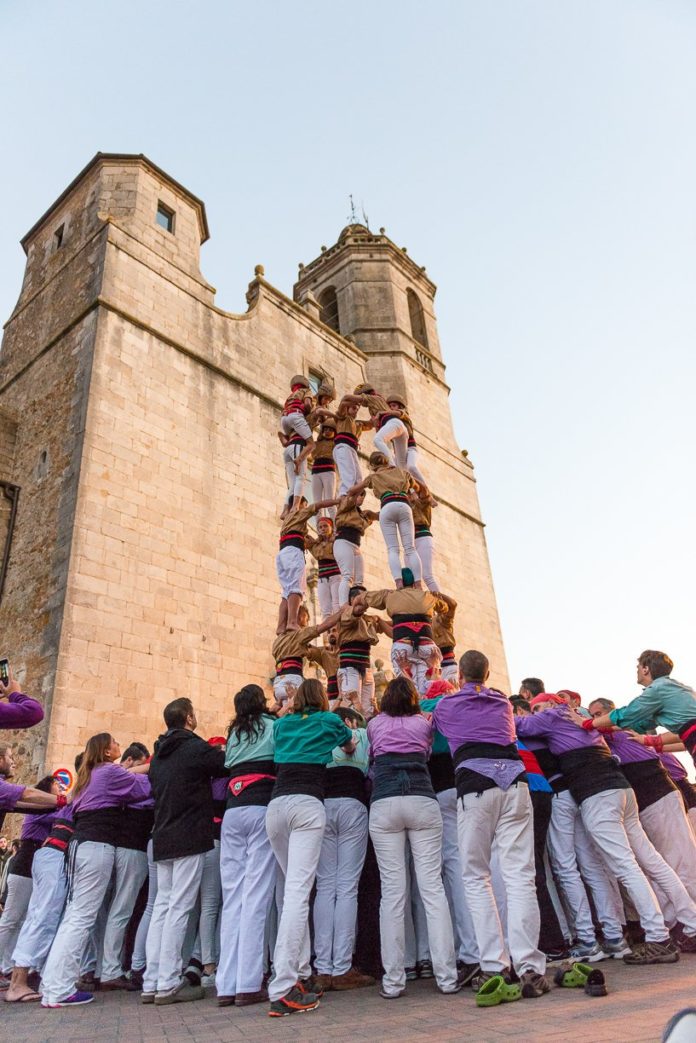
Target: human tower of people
x: 452, y: 832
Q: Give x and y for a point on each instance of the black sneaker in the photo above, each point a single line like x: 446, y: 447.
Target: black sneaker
x: 466, y: 971
x: 653, y: 952
x: 294, y: 1002
x: 687, y: 942
x: 424, y: 969
x: 411, y: 974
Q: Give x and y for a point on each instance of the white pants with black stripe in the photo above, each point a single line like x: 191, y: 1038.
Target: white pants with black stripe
x: 178, y: 884
x: 130, y: 870
x: 396, y: 523
x: 338, y: 875
x: 350, y: 561
x: 416, y: 819
x: 248, y: 876
x: 13, y: 915
x: 49, y: 890
x: 93, y: 865
x: 503, y: 818
x: 295, y: 826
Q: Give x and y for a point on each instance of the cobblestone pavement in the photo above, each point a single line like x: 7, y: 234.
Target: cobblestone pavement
x: 641, y: 1000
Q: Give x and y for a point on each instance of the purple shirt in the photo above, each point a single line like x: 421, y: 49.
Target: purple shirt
x: 9, y: 794
x: 562, y: 734
x: 627, y: 749
x: 110, y: 786
x: 675, y: 768
x: 20, y: 711
x: 387, y: 734
x: 475, y: 714
x: 37, y: 827
x: 219, y: 788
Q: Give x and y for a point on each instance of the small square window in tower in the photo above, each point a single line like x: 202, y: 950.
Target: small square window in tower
x: 58, y: 237
x: 165, y: 217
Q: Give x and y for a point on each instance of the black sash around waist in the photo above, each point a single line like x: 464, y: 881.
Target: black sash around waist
x: 591, y: 770
x: 245, y: 789
x: 23, y: 860
x: 401, y: 775
x: 346, y: 781
x: 649, y: 780
x: 101, y: 826
x: 350, y: 534
x: 308, y: 779
x: 414, y: 628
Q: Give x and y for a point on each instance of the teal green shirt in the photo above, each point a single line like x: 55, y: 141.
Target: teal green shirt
x: 359, y: 758
x: 665, y: 702
x: 309, y: 737
x: 243, y: 749
x: 440, y: 744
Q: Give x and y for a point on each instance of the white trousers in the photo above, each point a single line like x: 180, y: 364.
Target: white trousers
x: 348, y: 464
x: 13, y: 915
x: 393, y: 821
x: 611, y: 819
x: 412, y: 465
x: 285, y: 686
x: 350, y: 561
x: 211, y: 904
x: 396, y: 523
x: 295, y: 481
x: 425, y: 546
x: 449, y: 672
x: 464, y: 934
x: 49, y: 890
x: 178, y: 883
x: 295, y: 424
x: 415, y: 921
x: 248, y: 874
x: 418, y: 664
x: 503, y: 817
x: 668, y: 830
x: 565, y: 853
x: 93, y: 866
x: 359, y: 688
x: 338, y: 875
x: 130, y: 870
x: 324, y: 488
x: 394, y: 431
x: 292, y: 571
x: 295, y: 826
x: 328, y: 595
x: 138, y: 960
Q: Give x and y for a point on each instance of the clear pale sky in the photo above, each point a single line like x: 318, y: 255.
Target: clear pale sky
x: 539, y: 156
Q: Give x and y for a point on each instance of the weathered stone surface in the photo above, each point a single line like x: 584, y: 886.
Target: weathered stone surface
x: 142, y: 565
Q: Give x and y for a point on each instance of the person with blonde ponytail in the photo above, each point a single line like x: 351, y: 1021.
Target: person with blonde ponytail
x: 101, y: 790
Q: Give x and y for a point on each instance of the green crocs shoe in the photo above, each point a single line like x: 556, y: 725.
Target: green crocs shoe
x: 572, y: 975
x: 496, y: 990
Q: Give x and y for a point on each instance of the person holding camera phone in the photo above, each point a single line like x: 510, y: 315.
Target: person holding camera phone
x: 20, y: 711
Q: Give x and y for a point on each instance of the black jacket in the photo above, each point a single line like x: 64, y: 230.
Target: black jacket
x: 180, y: 773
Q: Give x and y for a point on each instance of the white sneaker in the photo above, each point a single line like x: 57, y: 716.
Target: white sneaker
x: 616, y: 948
x: 208, y: 979
x: 588, y: 952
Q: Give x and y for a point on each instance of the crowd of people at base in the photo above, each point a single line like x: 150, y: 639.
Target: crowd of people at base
x: 461, y: 835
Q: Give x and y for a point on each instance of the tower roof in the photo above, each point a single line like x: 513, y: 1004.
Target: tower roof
x: 123, y: 158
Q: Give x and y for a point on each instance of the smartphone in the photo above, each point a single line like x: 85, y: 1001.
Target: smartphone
x: 5, y: 670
